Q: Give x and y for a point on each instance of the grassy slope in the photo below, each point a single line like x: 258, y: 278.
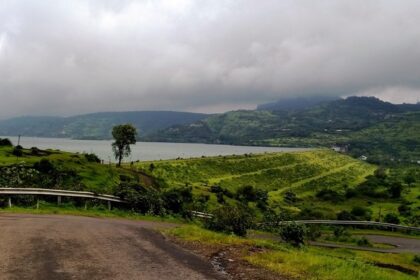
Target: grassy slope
x: 301, y: 172
x: 306, y: 263
x: 95, y: 177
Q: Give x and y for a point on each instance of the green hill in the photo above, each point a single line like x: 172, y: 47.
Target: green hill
x: 96, y: 125
x: 350, y: 122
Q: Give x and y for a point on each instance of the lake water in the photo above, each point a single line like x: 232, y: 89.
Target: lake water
x: 143, y: 151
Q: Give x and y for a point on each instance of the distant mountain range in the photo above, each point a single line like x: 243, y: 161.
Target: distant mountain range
x: 361, y: 125
x: 96, y: 125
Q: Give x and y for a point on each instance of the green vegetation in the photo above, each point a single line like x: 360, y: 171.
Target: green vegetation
x: 382, y: 131
x: 306, y: 262
x: 96, y: 125
x: 124, y: 136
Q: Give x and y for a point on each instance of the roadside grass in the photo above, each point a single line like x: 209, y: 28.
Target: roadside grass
x: 95, y: 177
x: 308, y: 262
x: 98, y: 211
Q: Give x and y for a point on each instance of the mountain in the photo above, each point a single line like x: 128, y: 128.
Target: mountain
x: 96, y: 125
x: 353, y: 121
x: 297, y: 103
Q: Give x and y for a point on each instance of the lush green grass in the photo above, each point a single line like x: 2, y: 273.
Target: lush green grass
x: 307, y: 262
x: 302, y: 172
x: 100, y: 178
x: 272, y: 171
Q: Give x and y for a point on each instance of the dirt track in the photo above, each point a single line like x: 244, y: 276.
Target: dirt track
x: 68, y: 247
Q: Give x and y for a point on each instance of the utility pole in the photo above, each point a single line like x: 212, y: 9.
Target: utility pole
x: 18, y: 140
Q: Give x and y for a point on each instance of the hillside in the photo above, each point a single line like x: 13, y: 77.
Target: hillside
x: 96, y: 125
x: 394, y: 139
x: 314, y: 184
x: 321, y: 125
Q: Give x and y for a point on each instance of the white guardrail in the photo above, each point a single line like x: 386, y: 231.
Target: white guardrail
x: 53, y: 192
x: 328, y: 222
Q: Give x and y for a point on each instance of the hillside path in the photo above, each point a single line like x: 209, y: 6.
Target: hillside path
x: 72, y: 247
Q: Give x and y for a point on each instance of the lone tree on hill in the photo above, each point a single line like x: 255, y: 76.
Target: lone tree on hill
x: 124, y: 136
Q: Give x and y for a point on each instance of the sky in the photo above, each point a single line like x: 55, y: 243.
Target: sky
x: 60, y: 57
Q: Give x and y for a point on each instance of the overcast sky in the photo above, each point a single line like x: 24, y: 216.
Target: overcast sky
x: 60, y: 57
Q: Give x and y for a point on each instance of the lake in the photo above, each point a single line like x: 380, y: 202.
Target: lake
x: 143, y: 151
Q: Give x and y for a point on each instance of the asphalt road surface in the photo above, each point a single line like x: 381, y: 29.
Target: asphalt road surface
x: 69, y: 247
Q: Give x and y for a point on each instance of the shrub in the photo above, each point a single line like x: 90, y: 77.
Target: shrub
x: 35, y: 151
x: 44, y: 166
x: 290, y: 197
x: 246, y: 194
x: 364, y: 242
x: 5, y: 142
x: 341, y: 233
x: 345, y: 216
x: 329, y: 195
x: 141, y: 199
x: 17, y: 151
x: 361, y: 212
x: 231, y: 219
x: 395, y: 190
x: 416, y: 259
x: 293, y: 233
x: 391, y: 218
x: 92, y: 158
x: 313, y: 232
x: 404, y: 210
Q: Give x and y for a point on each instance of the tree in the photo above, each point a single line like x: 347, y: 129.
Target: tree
x: 391, y: 218
x: 293, y: 233
x: 124, y: 136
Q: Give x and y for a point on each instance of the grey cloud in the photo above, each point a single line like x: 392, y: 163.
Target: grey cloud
x: 66, y: 57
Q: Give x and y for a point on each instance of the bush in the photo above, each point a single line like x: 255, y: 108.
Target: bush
x: 141, y: 199
x: 345, y: 216
x: 290, y: 197
x: 17, y: 151
x: 361, y: 213
x: 329, y: 195
x: 235, y: 219
x: 395, y: 190
x: 44, y: 166
x: 341, y: 233
x: 404, y: 210
x: 5, y: 142
x: 391, y: 218
x: 416, y: 259
x: 313, y: 232
x: 35, y: 151
x: 364, y: 242
x: 293, y: 233
x: 92, y: 158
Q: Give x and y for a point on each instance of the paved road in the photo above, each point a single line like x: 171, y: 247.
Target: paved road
x: 402, y: 245
x: 68, y: 247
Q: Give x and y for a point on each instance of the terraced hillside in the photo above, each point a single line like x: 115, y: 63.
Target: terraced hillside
x: 302, y: 172
x: 270, y: 171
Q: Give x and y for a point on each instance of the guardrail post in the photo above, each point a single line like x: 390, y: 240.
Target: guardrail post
x: 59, y: 200
x: 86, y: 204
x: 109, y: 205
x: 10, y: 202
x: 37, y: 203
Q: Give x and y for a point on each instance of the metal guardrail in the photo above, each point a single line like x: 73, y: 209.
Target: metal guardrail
x: 328, y: 222
x: 355, y: 223
x: 53, y: 192
x: 59, y: 194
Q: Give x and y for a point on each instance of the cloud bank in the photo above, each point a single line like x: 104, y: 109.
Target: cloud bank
x: 62, y: 57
